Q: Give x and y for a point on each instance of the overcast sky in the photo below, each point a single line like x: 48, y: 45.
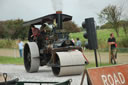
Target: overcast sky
x: 31, y: 9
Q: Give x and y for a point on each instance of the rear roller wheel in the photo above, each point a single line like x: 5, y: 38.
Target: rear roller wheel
x: 31, y: 57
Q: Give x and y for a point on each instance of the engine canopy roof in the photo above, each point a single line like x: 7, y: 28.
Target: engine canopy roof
x: 47, y: 19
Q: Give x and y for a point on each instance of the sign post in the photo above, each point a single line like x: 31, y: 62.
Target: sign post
x: 96, y: 58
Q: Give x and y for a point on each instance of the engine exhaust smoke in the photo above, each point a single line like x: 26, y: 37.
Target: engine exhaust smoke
x: 57, y: 5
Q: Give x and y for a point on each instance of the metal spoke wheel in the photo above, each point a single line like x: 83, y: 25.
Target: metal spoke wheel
x: 31, y: 57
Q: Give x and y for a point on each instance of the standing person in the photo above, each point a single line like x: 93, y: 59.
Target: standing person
x: 78, y: 42
x: 113, y: 51
x: 85, y: 45
x: 21, y: 46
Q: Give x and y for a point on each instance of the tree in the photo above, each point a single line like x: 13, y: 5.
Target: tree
x: 13, y: 29
x: 70, y: 26
x: 124, y: 24
x: 106, y: 26
x: 111, y: 14
x: 1, y: 30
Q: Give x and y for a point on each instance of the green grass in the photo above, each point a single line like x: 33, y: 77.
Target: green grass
x: 19, y: 61
x: 91, y: 65
x: 103, y: 35
x: 11, y: 60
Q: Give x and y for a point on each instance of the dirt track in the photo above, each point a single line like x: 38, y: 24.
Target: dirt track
x: 104, y: 56
x: 9, y: 52
x: 122, y: 58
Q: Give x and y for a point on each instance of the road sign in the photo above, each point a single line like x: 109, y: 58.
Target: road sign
x: 113, y: 75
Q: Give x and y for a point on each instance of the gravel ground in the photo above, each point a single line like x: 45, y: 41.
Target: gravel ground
x: 44, y: 74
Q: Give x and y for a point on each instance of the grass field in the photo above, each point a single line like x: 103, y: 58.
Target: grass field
x: 103, y: 35
x: 91, y: 65
x: 11, y: 60
x: 19, y: 61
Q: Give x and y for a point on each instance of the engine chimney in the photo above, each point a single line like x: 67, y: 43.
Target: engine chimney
x: 59, y: 19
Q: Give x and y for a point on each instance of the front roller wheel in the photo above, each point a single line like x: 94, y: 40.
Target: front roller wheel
x: 31, y: 57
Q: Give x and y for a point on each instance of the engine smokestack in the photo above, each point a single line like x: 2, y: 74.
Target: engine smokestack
x: 59, y: 19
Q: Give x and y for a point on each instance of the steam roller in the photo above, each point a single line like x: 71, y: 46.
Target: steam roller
x: 53, y: 48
